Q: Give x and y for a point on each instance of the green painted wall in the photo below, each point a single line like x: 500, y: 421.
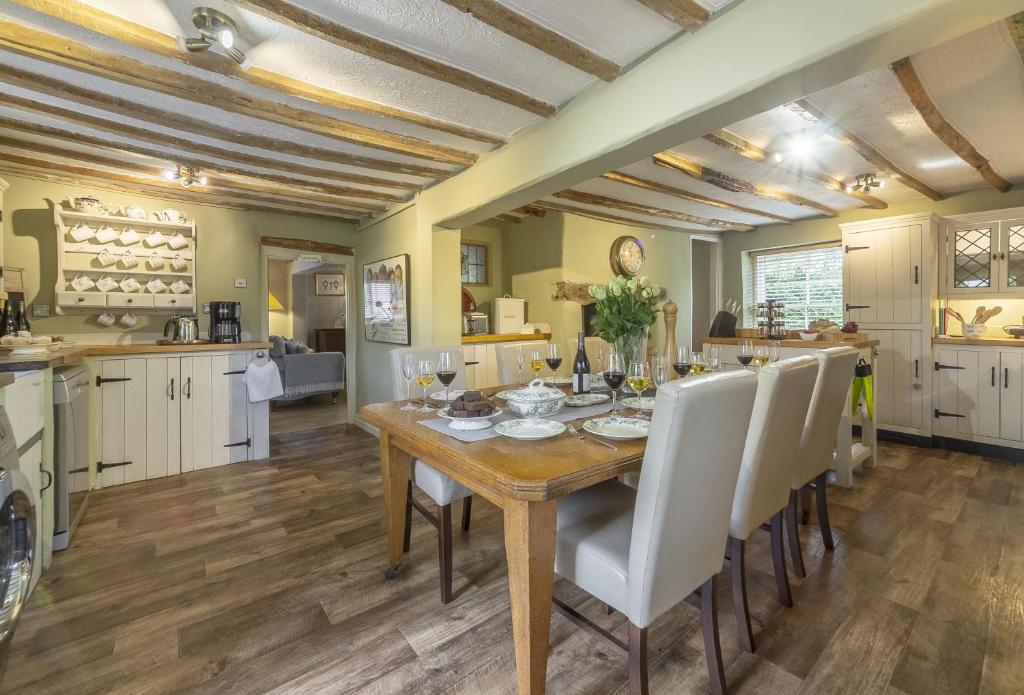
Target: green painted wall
x: 228, y: 248
x: 826, y: 229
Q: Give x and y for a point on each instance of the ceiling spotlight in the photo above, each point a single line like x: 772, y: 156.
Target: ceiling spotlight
x: 797, y: 148
x: 214, y: 27
x: 865, y: 182
x: 186, y: 176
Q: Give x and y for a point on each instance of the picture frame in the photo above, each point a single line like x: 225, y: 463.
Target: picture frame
x: 386, y: 300
x: 330, y: 284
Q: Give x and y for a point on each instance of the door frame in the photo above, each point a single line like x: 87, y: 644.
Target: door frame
x: 349, y: 263
x: 716, y: 280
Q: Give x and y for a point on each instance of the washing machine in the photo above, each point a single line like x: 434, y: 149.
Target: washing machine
x: 17, y: 538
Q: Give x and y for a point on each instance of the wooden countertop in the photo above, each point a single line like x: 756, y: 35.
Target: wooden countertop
x: 991, y: 342
x: 74, y: 355
x: 803, y: 344
x: 503, y: 337
x: 6, y: 378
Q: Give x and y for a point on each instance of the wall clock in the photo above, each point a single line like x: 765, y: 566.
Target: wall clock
x: 627, y: 256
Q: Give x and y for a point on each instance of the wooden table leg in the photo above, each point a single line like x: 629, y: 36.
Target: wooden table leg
x: 530, y: 550
x: 395, y: 471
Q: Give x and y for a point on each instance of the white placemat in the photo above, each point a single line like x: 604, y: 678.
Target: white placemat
x: 564, y: 415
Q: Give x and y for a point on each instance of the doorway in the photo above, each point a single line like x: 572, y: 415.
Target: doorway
x: 705, y: 286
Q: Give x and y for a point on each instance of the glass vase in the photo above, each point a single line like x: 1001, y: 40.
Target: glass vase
x: 633, y: 345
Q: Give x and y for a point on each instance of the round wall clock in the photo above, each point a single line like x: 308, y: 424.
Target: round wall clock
x: 627, y: 255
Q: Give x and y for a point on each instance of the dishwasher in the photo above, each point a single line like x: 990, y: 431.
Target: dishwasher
x: 71, y: 449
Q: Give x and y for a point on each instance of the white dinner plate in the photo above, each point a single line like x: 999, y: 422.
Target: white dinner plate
x: 646, y: 403
x: 616, y: 427
x: 529, y: 430
x: 558, y: 380
x: 581, y: 400
x: 469, y: 423
x: 452, y: 395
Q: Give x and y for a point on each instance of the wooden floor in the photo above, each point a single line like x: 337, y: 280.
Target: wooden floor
x: 309, y: 413
x: 267, y: 577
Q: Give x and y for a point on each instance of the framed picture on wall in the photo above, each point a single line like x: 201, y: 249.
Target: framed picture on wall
x: 386, y: 300
x: 330, y: 284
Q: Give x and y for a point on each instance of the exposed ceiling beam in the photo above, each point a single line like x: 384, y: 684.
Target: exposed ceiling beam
x: 140, y: 36
x: 510, y: 218
x: 540, y: 37
x: 688, y: 14
x: 641, y: 209
x: 953, y: 138
x: 616, y: 219
x: 658, y: 187
x: 1015, y: 24
x: 729, y: 183
x: 806, y: 170
x: 253, y: 186
x: 531, y: 210
x: 59, y: 50
x: 836, y: 131
x: 322, y: 28
x: 139, y: 185
x: 205, y: 166
x: 168, y: 119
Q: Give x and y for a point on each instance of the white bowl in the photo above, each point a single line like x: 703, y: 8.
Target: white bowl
x: 535, y: 401
x: 974, y: 330
x: 808, y: 336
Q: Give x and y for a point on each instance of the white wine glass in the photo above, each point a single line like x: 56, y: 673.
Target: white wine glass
x: 761, y: 357
x: 699, y: 364
x: 638, y: 378
x: 536, y: 362
x: 425, y: 375
x: 409, y: 372
x: 520, y: 362
x: 713, y: 355
x: 774, y: 350
x: 659, y: 371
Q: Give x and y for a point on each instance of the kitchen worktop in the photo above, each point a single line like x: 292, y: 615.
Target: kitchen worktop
x: 1006, y: 341
x: 75, y: 354
x: 819, y: 344
x: 503, y: 337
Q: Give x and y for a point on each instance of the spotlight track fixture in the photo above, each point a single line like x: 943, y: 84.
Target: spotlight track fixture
x: 865, y: 182
x: 214, y: 27
x: 186, y: 176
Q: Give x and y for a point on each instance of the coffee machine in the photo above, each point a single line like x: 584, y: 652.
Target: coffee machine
x: 225, y: 322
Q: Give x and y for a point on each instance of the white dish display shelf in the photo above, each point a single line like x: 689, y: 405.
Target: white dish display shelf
x: 81, y: 258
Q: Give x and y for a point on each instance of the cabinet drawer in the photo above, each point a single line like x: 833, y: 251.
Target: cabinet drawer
x: 81, y: 299
x: 25, y: 403
x: 172, y: 301
x: 130, y: 300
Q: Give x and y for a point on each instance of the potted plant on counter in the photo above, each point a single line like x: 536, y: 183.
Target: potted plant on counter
x: 626, y: 310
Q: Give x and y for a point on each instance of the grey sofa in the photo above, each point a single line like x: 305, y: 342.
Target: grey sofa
x: 304, y: 372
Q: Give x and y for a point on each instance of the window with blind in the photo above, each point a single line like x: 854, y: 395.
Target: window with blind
x: 808, y: 279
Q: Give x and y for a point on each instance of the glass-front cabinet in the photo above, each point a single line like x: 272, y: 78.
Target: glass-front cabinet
x: 985, y: 258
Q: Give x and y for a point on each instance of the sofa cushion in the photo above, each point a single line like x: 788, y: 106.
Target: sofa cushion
x: 276, y: 346
x: 295, y: 347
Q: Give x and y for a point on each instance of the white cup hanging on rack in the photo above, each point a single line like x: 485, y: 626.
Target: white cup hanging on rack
x: 128, y: 259
x: 81, y: 283
x: 106, y: 234
x: 156, y: 286
x: 128, y: 237
x: 178, y: 263
x: 177, y: 241
x: 82, y: 232
x: 155, y: 238
x: 106, y: 284
x: 129, y: 284
x: 106, y: 258
x: 106, y: 319
x: 179, y: 286
x: 129, y: 320
x: 155, y: 261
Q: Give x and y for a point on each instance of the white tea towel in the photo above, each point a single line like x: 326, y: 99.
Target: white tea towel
x: 263, y: 381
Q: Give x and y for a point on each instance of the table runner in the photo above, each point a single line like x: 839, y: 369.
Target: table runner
x: 566, y: 414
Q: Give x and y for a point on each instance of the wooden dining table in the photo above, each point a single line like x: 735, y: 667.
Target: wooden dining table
x: 525, y: 479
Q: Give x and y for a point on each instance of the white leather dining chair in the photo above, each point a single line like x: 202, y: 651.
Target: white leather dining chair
x: 818, y: 444
x: 505, y: 355
x: 769, y: 459
x: 642, y: 551
x: 436, y: 485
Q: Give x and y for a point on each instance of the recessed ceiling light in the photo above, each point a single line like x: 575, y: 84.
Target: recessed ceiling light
x: 798, y: 148
x: 214, y: 27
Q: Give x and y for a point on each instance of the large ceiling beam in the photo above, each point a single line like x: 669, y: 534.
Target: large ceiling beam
x: 507, y: 21
x: 250, y: 185
x: 641, y: 209
x: 953, y: 138
x: 322, y: 28
x: 140, y: 185
x: 835, y: 130
x: 167, y: 119
x: 140, y: 36
x: 611, y: 217
x: 700, y: 172
x: 688, y: 14
x: 806, y: 170
x: 658, y: 187
x: 58, y: 50
x: 206, y: 166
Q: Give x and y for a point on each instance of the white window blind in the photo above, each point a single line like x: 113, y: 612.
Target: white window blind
x: 808, y: 279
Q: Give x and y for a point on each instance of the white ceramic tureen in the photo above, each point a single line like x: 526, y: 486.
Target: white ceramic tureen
x: 535, y: 401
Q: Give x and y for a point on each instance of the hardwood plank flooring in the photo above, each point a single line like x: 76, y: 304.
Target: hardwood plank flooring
x: 267, y: 577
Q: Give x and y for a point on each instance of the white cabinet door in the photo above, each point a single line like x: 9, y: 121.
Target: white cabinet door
x: 944, y: 397
x: 971, y: 258
x: 1011, y: 407
x: 897, y: 254
x: 901, y: 369
x: 123, y: 423
x: 469, y: 356
x: 231, y: 441
x: 1011, y: 256
x: 988, y: 394
x: 196, y: 413
x: 860, y: 276
x: 163, y: 416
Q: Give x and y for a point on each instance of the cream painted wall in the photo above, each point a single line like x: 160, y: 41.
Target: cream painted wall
x: 494, y: 238
x: 228, y: 248
x: 279, y: 282
x: 735, y: 244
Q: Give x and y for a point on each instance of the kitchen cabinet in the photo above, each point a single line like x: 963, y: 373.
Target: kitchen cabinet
x: 983, y: 255
x: 482, y: 362
x: 883, y: 272
x: 123, y: 423
x: 900, y: 377
x: 979, y: 394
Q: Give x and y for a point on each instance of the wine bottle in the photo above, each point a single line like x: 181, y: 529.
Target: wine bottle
x: 581, y: 368
x: 4, y: 313
x: 23, y: 324
x: 10, y: 321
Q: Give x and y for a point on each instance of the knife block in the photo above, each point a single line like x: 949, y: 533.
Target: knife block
x: 724, y: 325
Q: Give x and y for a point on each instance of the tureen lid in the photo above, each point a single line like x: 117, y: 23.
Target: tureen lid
x: 536, y: 391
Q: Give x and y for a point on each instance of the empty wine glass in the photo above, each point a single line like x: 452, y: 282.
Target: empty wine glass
x: 520, y: 362
x: 639, y: 378
x: 713, y: 355
x: 614, y: 374
x: 446, y: 372
x: 774, y: 350
x: 554, y: 359
x: 682, y: 361
x: 745, y: 352
x: 409, y: 371
x: 659, y: 372
x: 425, y: 377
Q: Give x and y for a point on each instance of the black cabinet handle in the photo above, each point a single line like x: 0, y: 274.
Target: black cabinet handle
x: 188, y: 388
x: 939, y: 413
x: 857, y: 306
x: 993, y: 376
x: 100, y: 466
x: 1002, y: 255
x: 939, y: 365
x: 1006, y: 377
x: 847, y: 249
x: 247, y: 442
x: 472, y: 364
x: 49, y: 479
x: 172, y: 388
x: 917, y: 373
x: 101, y: 380
x: 917, y: 278
x: 237, y: 371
